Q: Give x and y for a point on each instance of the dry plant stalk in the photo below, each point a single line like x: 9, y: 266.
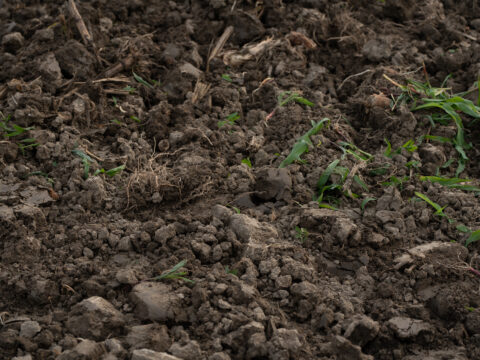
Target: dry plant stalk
x: 201, y: 89
x: 220, y: 44
x: 82, y: 28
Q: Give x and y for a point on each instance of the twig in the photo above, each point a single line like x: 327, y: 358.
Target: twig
x: 352, y: 76
x: 120, y: 66
x: 220, y: 44
x: 82, y: 28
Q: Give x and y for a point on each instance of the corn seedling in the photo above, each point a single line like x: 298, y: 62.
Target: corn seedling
x: 26, y: 144
x: 439, y: 209
x: 136, y: 119
x: 301, y: 233
x: 11, y: 130
x: 86, y: 161
x: 451, y: 105
x: 395, y: 181
x: 454, y: 183
x: 474, y: 237
x: 410, y: 146
x: 130, y: 89
x: 231, y: 271
x: 174, y: 273
x: 286, y: 97
x: 111, y: 172
x: 230, y: 120
x: 141, y: 81
x: 353, y: 150
x: 303, y: 143
x: 227, y: 77
x: 43, y: 174
x: 247, y: 162
x: 365, y: 202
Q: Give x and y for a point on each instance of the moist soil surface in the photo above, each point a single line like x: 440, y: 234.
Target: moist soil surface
x: 149, y: 207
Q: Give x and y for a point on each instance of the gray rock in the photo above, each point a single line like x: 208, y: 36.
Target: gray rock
x: 86, y: 349
x: 189, y: 351
x: 288, y: 339
x: 126, y: 276
x: 50, y: 69
x: 6, y: 214
x: 343, y: 228
x: 406, y: 328
x: 151, y: 336
x: 247, y: 228
x: 95, y: 318
x: 273, y: 183
x: 8, y: 151
x: 362, y: 330
x: 147, y: 354
x: 345, y: 350
x: 29, y: 329
x: 114, y: 346
x: 155, y: 302
x: 376, y: 50
x: 13, y: 41
x: 24, y: 357
x: 165, y: 233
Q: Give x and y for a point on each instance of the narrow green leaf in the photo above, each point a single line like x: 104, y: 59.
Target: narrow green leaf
x: 474, y: 237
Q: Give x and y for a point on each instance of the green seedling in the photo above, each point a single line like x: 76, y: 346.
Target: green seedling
x: 451, y: 105
x: 474, y: 237
x: 301, y: 233
x: 230, y: 120
x: 353, y: 150
x: 86, y: 161
x: 382, y: 170
x: 470, y: 308
x: 10, y: 129
x: 365, y: 202
x: 395, y: 181
x: 27, y: 144
x: 439, y: 209
x: 231, y: 271
x: 463, y: 228
x: 413, y: 164
x: 136, y: 119
x: 247, y: 162
x: 175, y: 273
x: 322, y: 186
x: 227, y: 77
x: 115, y: 100
x: 130, y: 89
x: 303, y: 143
x: 42, y: 174
x: 141, y: 81
x: 116, y: 121
x: 286, y: 97
x: 410, y: 146
x: 454, y: 183
x: 236, y: 209
x: 111, y: 172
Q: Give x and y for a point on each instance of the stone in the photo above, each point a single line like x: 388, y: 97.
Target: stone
x: 151, y: 336
x: 345, y: 350
x: 273, y: 183
x: 406, y: 328
x: 126, y: 276
x: 50, y: 69
x: 95, y: 318
x: 376, y: 50
x: 147, y: 354
x: 155, y: 302
x: 86, y: 349
x: 13, y: 42
x: 29, y: 329
x: 247, y: 228
x: 190, y: 351
x: 362, y: 330
x: 165, y: 233
x: 114, y: 346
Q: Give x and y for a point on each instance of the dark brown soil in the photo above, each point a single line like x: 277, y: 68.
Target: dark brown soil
x: 269, y: 274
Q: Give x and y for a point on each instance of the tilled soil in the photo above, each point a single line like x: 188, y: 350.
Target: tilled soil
x: 268, y: 273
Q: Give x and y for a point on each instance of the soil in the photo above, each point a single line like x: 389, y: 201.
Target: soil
x: 268, y: 274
